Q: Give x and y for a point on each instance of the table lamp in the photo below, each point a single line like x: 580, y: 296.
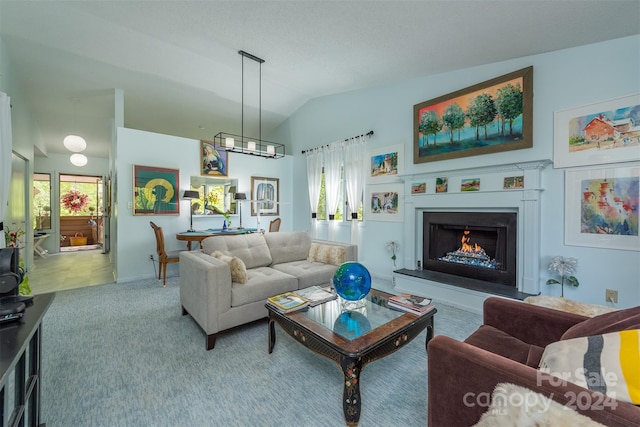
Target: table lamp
x: 190, y: 195
x: 240, y: 197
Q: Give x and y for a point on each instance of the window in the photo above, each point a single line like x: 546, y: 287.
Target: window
x: 41, y: 201
x: 343, y: 204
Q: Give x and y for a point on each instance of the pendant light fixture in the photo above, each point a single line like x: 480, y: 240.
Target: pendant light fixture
x: 247, y: 145
x: 78, y: 159
x: 74, y: 143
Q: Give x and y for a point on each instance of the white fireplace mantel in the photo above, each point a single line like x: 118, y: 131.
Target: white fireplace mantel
x: 491, y: 198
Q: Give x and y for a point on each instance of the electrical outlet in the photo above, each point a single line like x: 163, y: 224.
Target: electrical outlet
x: 150, y: 257
x: 611, y: 295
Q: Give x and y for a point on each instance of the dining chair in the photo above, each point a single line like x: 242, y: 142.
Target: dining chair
x: 164, y: 257
x: 275, y: 225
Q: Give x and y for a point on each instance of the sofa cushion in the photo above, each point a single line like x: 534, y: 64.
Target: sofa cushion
x: 251, y: 248
x: 237, y: 267
x: 500, y: 343
x: 328, y: 254
x: 609, y: 322
x: 262, y: 283
x: 308, y: 273
x: 288, y: 246
x: 607, y: 363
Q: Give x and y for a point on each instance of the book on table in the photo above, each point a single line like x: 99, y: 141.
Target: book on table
x: 316, y: 295
x: 411, y: 303
x: 287, y: 302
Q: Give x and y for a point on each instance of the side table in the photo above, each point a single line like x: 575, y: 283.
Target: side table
x: 568, y: 305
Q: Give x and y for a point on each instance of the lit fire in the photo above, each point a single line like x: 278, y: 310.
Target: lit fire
x: 466, y: 247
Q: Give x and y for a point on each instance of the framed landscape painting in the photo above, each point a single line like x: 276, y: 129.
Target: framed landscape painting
x: 386, y: 163
x: 155, y: 191
x: 384, y: 202
x: 214, y: 161
x: 601, y: 208
x: 489, y: 117
x: 604, y: 132
x: 267, y: 190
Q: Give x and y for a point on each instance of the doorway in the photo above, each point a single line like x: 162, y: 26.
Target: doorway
x: 81, y: 217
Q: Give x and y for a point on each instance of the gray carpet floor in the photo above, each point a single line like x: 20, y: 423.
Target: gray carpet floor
x: 123, y: 355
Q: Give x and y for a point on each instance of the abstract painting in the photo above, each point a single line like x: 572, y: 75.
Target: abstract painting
x: 155, y: 191
x: 267, y: 190
x: 602, y: 208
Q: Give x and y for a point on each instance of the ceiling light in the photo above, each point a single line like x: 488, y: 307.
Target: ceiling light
x: 254, y: 146
x: 78, y: 159
x: 74, y: 143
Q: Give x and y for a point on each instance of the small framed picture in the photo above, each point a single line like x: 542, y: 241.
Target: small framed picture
x: 442, y: 185
x: 418, y: 188
x: 384, y: 202
x: 472, y: 184
x: 513, y: 183
x: 267, y: 191
x: 214, y: 160
x: 385, y: 164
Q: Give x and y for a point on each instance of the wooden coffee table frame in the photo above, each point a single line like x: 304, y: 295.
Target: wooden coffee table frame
x: 352, y: 355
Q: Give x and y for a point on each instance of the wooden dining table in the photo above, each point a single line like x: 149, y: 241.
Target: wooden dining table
x: 200, y: 235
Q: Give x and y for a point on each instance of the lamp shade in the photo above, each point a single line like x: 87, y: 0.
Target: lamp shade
x: 78, y: 159
x: 74, y: 143
x: 190, y: 194
x: 240, y: 196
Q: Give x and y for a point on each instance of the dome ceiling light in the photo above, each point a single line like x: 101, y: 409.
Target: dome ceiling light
x: 77, y: 159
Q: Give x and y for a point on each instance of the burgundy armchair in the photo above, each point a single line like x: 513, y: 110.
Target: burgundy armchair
x: 508, y: 348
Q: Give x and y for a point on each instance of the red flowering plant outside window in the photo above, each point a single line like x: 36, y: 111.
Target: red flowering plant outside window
x: 74, y: 201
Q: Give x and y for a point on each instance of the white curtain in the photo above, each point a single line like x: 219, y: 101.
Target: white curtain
x: 355, y: 168
x: 314, y: 180
x: 6, y: 147
x: 332, y: 164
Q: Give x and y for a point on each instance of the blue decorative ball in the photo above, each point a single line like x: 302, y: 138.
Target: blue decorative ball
x: 352, y: 281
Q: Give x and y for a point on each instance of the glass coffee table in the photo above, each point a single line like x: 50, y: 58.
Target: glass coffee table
x: 352, y: 338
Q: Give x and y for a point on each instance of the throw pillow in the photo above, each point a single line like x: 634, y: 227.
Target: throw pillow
x: 513, y: 405
x: 237, y: 267
x: 327, y: 254
x: 608, y: 364
x: 610, y: 322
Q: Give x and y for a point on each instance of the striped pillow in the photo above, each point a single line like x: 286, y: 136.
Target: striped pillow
x: 608, y: 363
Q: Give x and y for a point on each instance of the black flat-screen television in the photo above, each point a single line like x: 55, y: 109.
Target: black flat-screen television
x: 11, y: 274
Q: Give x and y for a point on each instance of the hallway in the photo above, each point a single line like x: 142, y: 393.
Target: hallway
x: 70, y: 270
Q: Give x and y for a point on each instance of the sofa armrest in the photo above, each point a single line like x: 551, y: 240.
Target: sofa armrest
x: 529, y: 323
x: 462, y: 378
x: 205, y: 288
x: 351, y: 250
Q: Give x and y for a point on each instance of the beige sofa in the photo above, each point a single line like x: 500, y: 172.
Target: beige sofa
x: 275, y: 263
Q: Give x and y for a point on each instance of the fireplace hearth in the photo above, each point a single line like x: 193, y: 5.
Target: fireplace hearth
x: 477, y: 245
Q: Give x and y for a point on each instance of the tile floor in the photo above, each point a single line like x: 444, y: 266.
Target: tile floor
x: 69, y: 270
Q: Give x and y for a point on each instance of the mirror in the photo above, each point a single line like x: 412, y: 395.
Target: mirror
x: 216, y: 195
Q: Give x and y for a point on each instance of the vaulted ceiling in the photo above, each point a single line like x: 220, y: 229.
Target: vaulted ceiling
x: 178, y: 66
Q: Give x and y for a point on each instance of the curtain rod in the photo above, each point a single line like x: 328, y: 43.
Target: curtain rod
x: 346, y: 140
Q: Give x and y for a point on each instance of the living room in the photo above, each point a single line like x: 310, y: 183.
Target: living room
x: 562, y: 80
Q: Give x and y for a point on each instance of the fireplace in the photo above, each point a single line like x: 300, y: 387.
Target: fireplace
x: 479, y: 245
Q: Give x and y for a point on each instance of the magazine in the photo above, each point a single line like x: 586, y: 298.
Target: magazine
x: 316, y: 295
x: 411, y: 303
x: 287, y: 302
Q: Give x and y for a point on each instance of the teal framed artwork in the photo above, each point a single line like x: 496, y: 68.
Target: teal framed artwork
x: 155, y: 191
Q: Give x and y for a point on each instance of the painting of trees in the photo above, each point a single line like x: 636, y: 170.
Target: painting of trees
x: 474, y: 120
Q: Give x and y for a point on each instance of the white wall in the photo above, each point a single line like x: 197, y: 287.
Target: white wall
x: 562, y: 79
x: 56, y: 165
x: 134, y: 235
